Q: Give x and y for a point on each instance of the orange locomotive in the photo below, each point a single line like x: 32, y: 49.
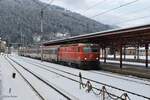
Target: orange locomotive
x: 86, y: 56
x: 81, y: 55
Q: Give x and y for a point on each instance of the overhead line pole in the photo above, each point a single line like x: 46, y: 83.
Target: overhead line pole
x: 42, y: 22
x: 41, y: 33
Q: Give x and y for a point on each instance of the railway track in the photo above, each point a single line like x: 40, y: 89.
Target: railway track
x: 72, y: 79
x: 39, y: 95
x: 39, y: 65
x: 97, y: 72
x: 67, y: 96
x: 130, y: 80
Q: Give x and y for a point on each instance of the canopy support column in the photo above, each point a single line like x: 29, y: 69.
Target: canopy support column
x: 138, y: 53
x: 124, y: 51
x: 105, y: 55
x: 146, y: 54
x: 121, y: 56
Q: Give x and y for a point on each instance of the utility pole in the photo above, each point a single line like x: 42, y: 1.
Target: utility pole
x: 0, y: 44
x: 21, y: 41
x: 42, y: 33
x: 42, y: 13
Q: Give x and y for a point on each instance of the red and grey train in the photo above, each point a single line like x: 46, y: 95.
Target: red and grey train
x: 81, y: 55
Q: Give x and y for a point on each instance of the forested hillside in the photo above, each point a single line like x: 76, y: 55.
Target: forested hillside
x: 23, y: 16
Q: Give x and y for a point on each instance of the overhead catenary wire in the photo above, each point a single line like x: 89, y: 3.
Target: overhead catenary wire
x: 134, y: 12
x: 133, y: 19
x: 48, y: 5
x: 137, y: 11
x: 93, y: 6
x: 115, y: 8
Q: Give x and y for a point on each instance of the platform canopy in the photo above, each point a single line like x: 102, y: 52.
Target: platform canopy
x: 127, y: 36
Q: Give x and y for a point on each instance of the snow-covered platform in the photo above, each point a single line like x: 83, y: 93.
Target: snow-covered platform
x: 128, y: 68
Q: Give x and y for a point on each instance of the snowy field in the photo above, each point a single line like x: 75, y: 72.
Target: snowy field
x: 71, y: 88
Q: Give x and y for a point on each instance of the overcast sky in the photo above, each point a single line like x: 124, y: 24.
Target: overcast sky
x: 137, y: 13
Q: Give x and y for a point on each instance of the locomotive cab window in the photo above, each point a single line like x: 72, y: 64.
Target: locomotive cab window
x: 94, y: 49
x: 90, y: 49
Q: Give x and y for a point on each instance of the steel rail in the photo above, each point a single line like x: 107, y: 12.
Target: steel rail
x: 40, y: 96
x: 92, y: 80
x: 70, y: 78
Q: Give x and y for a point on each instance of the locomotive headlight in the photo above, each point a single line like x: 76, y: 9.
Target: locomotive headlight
x: 97, y: 58
x: 85, y: 58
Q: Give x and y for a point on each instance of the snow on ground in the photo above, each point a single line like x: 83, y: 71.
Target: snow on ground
x: 73, y: 88
x: 47, y: 92
x: 14, y: 89
x: 67, y: 85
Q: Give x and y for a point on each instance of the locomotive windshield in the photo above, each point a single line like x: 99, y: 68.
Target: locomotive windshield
x: 90, y: 49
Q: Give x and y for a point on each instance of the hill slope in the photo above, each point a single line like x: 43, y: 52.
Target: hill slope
x: 24, y: 16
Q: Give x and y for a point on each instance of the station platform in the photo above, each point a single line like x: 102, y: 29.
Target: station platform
x: 130, y: 60
x: 127, y: 69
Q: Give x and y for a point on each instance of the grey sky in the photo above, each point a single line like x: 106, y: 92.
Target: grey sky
x: 124, y: 17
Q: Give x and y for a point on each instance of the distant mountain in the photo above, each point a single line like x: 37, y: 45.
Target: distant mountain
x: 23, y: 16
